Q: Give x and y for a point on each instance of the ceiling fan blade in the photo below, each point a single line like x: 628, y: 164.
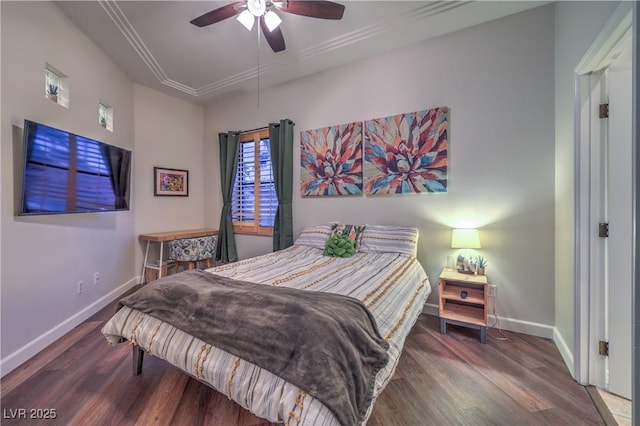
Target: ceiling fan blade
x: 274, y: 38
x: 219, y: 14
x: 313, y: 9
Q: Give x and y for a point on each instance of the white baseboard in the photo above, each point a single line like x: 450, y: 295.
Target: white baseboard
x: 14, y: 360
x: 565, y: 350
x: 525, y: 327
x: 430, y: 309
x: 511, y: 324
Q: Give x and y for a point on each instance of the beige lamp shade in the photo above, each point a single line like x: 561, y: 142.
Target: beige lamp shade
x: 465, y: 238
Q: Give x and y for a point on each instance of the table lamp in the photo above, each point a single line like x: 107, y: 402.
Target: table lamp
x: 465, y: 238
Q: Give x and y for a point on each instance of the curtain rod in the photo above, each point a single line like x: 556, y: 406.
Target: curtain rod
x: 257, y: 129
x: 254, y: 130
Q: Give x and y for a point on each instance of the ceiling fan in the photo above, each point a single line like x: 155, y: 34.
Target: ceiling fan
x: 248, y: 10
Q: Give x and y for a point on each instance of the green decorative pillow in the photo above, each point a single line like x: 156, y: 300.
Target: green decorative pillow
x: 340, y: 246
x: 353, y: 232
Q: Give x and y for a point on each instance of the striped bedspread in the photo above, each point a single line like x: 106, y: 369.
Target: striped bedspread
x: 392, y: 285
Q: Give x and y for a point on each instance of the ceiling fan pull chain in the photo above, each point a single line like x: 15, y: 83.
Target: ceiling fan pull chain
x: 259, y: 45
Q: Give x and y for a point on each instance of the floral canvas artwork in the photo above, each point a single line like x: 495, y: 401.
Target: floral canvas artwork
x: 331, y: 160
x: 407, y: 153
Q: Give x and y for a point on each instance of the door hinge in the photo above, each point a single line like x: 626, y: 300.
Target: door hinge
x: 603, y: 348
x: 603, y: 111
x: 603, y: 230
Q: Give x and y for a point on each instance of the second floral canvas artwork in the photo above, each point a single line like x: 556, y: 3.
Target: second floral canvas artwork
x: 407, y: 153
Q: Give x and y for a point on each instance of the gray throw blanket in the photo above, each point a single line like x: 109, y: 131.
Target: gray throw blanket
x: 326, y: 344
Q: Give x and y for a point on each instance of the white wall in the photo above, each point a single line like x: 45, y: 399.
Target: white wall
x: 169, y: 132
x: 43, y: 257
x: 576, y: 26
x: 498, y: 80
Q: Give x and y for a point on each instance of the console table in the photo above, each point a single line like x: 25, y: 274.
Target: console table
x: 161, y: 238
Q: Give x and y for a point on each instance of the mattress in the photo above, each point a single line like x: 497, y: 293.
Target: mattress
x: 393, y: 285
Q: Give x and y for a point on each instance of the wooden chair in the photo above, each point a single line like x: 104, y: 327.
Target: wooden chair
x: 191, y: 251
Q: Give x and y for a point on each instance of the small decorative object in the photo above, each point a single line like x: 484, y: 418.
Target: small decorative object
x: 340, y: 246
x: 103, y: 121
x: 467, y: 265
x: 463, y: 294
x: 172, y: 182
x: 52, y: 93
x: 481, y: 264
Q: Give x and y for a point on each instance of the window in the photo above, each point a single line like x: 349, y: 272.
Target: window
x: 254, y: 200
x: 56, y: 86
x: 105, y: 116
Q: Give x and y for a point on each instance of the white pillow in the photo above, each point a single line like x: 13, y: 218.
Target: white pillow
x: 314, y: 236
x: 390, y: 239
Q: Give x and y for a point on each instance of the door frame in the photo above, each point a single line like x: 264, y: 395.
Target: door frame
x: 635, y: 136
x: 601, y: 54
x: 593, y: 266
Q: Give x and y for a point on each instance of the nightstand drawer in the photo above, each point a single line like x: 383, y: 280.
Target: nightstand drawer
x: 454, y: 292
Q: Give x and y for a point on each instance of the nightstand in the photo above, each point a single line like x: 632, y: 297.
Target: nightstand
x: 463, y: 301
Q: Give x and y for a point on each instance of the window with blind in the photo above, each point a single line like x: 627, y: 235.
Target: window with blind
x: 65, y: 173
x: 254, y: 201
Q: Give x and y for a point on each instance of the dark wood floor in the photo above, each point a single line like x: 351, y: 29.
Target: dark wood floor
x: 441, y: 380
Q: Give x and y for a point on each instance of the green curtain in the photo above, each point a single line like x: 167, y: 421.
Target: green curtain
x: 281, y: 137
x: 229, y: 144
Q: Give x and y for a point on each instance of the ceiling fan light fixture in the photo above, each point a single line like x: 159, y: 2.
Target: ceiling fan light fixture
x: 272, y: 20
x: 257, y: 7
x: 247, y: 10
x: 247, y: 19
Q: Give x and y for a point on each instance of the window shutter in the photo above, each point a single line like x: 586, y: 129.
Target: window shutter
x: 254, y: 200
x: 268, y: 198
x: 243, y: 204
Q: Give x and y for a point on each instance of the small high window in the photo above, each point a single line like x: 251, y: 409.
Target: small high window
x: 56, y: 86
x: 105, y: 116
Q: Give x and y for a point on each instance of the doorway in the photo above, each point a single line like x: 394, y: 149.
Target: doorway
x: 605, y: 196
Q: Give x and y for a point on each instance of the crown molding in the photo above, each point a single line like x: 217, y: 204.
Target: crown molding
x: 376, y: 29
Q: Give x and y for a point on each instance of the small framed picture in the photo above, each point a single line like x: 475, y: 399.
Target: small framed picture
x: 171, y: 182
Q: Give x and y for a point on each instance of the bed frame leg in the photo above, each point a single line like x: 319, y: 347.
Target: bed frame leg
x: 138, y: 357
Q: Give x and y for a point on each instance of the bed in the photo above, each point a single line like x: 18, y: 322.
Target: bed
x: 383, y: 276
